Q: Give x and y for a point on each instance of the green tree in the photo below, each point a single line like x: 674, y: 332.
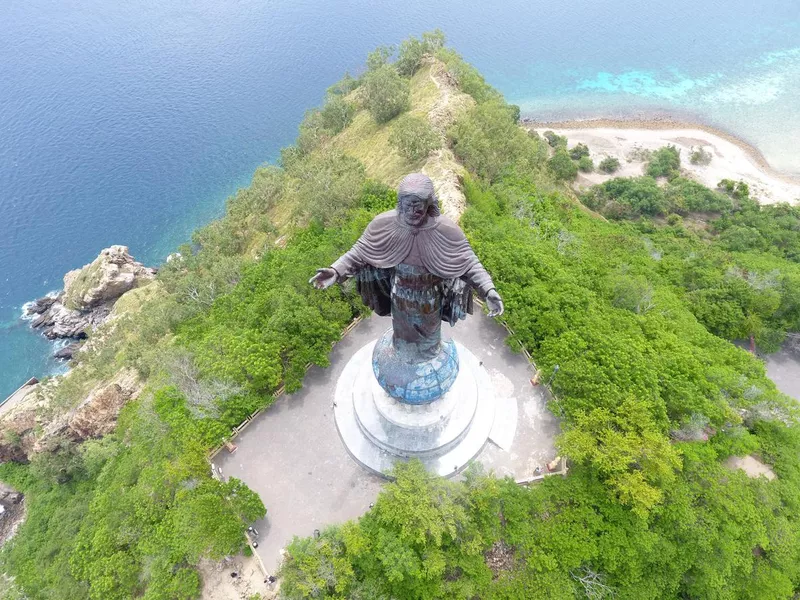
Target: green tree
x: 411, y: 51
x: 664, y: 162
x: 562, y: 166
x: 344, y: 86
x: 336, y: 114
x: 386, y: 94
x: 609, y: 164
x: 578, y: 151
x: 379, y: 57
x: 585, y: 164
x: 490, y: 143
x: 325, y: 185
x: 413, y: 137
x: 555, y: 141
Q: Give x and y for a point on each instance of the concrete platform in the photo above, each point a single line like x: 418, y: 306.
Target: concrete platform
x: 446, y: 434
x: 293, y: 457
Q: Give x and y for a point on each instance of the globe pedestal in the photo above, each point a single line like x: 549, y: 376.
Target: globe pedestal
x: 445, y: 434
x: 411, y: 380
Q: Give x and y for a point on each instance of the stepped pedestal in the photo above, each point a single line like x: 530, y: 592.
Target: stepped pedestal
x: 445, y: 434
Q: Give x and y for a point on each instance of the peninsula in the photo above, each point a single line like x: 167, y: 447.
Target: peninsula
x: 627, y: 293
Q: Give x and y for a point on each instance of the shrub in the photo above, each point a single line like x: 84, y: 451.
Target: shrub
x: 413, y: 137
x: 344, y: 86
x: 578, y: 151
x: 685, y: 195
x: 411, y: 51
x: 326, y: 185
x: 700, y: 156
x: 585, y: 164
x: 467, y: 77
x: 336, y: 114
x: 386, y: 94
x: 489, y: 143
x: 624, y: 197
x: 311, y: 134
x: 674, y: 219
x: 562, y: 166
x: 555, y: 140
x: 738, y: 190
x: 664, y: 162
x: 609, y: 164
x: 379, y: 57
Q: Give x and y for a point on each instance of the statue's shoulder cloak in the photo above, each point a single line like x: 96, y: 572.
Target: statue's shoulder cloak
x: 441, y: 245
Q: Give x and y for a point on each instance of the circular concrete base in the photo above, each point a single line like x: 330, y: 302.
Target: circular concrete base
x: 446, y: 434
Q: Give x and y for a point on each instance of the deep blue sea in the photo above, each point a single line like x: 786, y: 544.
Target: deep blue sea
x: 131, y: 122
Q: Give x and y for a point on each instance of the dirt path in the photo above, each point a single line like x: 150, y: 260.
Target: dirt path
x: 442, y: 166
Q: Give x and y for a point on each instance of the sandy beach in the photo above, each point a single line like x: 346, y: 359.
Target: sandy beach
x: 732, y: 158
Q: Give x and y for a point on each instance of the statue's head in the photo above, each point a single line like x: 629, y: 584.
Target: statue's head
x: 416, y: 199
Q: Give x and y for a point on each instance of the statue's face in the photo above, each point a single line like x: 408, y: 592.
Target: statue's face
x: 414, y: 210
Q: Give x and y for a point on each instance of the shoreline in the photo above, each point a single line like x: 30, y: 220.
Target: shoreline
x: 666, y: 122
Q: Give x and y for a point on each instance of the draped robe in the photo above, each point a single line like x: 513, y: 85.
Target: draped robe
x: 439, y: 245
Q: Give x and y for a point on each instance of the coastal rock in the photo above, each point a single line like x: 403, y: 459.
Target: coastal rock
x: 97, y: 415
x: 94, y: 417
x: 67, y: 352
x: 105, y: 279
x: 12, y: 512
x: 16, y: 434
x: 65, y: 323
x: 37, y: 307
x: 89, y: 295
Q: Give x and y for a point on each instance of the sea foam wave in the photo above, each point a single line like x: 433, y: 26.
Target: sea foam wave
x: 25, y: 308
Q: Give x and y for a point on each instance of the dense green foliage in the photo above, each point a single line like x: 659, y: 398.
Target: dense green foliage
x: 629, y: 197
x: 578, y: 151
x: 609, y: 164
x: 738, y: 286
x: 412, y: 50
x: 562, y: 166
x: 585, y: 164
x: 652, y: 403
x: 413, y: 137
x: 556, y: 141
x: 769, y: 228
x: 385, y: 93
x: 664, y: 162
x: 134, y: 513
x: 488, y: 142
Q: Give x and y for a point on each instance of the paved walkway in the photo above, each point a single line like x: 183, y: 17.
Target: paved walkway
x: 292, y: 456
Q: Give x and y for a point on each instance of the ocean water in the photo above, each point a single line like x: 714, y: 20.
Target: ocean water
x: 131, y: 122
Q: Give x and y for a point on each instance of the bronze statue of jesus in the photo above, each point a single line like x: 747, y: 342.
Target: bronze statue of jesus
x: 418, y: 266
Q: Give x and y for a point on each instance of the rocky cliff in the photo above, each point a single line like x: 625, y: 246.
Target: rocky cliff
x: 88, y: 296
x: 30, y: 426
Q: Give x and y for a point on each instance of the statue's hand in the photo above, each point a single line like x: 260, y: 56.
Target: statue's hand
x: 495, y: 303
x: 324, y: 278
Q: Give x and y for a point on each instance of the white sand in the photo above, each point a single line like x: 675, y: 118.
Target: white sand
x: 730, y: 160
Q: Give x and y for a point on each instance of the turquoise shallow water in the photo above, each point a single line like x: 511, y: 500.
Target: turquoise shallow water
x: 131, y: 122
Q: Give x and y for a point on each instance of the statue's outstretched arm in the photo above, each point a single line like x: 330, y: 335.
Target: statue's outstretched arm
x: 345, y: 267
x: 478, y: 277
